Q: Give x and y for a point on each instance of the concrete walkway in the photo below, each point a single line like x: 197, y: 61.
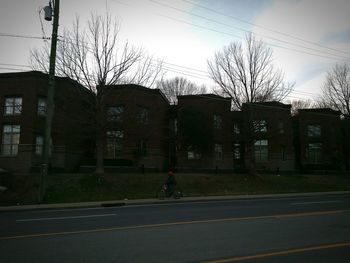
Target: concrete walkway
x: 157, y: 201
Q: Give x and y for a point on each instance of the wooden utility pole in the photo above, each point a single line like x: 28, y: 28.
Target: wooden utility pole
x: 49, y: 102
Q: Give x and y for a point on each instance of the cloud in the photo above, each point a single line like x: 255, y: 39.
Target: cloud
x: 319, y: 23
x: 342, y: 36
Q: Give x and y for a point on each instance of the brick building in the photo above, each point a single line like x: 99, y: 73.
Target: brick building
x: 268, y: 135
x: 22, y: 121
x: 143, y: 130
x: 204, y: 132
x: 346, y: 141
x: 319, y: 139
x: 137, y: 131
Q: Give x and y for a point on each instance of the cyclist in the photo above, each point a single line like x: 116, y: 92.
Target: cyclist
x: 170, y: 184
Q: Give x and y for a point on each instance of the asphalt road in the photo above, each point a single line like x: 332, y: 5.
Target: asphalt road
x: 298, y: 229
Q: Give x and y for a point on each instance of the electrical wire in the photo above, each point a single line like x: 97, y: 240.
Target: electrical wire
x: 247, y: 31
x: 265, y: 28
x: 23, y: 36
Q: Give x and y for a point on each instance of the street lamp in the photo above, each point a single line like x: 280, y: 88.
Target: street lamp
x: 48, y: 12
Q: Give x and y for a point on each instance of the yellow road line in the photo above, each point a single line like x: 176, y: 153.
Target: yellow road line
x: 278, y: 216
x: 281, y: 253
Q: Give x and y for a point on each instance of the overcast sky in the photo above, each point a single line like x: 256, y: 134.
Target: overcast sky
x: 307, y: 36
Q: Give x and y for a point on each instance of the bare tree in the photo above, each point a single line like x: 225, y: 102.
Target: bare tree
x: 336, y: 90
x: 179, y: 86
x: 95, y: 58
x: 245, y: 72
x: 302, y: 104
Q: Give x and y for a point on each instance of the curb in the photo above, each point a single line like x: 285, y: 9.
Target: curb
x: 134, y: 202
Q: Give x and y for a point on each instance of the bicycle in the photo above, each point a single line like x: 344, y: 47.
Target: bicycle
x: 163, y: 192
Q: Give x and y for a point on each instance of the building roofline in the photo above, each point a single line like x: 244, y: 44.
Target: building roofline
x: 320, y: 110
x: 141, y: 88
x: 40, y: 74
x: 203, y: 96
x: 269, y: 103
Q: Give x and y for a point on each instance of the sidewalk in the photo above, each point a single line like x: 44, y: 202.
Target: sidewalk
x: 157, y: 201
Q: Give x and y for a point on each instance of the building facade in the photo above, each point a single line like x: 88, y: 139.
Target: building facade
x: 22, y: 122
x: 268, y: 135
x: 137, y: 130
x: 142, y: 130
x: 319, y: 139
x: 203, y: 132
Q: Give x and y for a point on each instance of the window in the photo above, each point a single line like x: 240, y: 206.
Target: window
x: 13, y: 106
x: 115, y: 113
x: 313, y: 130
x: 192, y: 154
x: 10, y: 140
x: 142, y: 115
x: 114, y: 143
x: 39, y: 145
x: 218, y: 151
x: 175, y: 126
x: 217, y: 121
x: 260, y: 126
x: 142, y: 144
x: 283, y: 153
x: 236, y: 151
x: 261, y: 150
x: 42, y: 106
x: 314, y: 152
x: 236, y: 129
x: 281, y: 127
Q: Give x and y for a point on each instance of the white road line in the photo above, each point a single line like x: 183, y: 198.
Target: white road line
x: 62, y: 218
x: 318, y: 202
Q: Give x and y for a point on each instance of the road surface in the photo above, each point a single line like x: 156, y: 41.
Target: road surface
x: 292, y: 229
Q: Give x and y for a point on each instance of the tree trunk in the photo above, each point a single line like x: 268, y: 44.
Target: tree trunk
x: 250, y: 141
x: 99, y: 153
x: 252, y: 166
x: 100, y: 133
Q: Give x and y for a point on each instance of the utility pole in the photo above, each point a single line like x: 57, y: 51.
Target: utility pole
x: 50, y: 96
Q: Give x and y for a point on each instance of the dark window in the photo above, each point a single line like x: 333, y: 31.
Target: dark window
x: 283, y: 153
x: 115, y: 113
x: 217, y: 121
x: 261, y: 150
x: 313, y: 130
x: 192, y: 154
x: 281, y: 127
x: 10, y: 140
x: 314, y: 152
x: 260, y: 126
x: 142, y: 115
x: 114, y: 143
x: 218, y: 153
x: 236, y: 129
x: 42, y: 106
x: 236, y: 151
x: 39, y: 144
x: 142, y: 144
x: 13, y: 106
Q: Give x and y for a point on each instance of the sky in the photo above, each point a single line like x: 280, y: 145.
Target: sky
x: 308, y: 37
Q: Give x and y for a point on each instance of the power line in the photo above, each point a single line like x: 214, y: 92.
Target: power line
x: 236, y: 36
x: 15, y: 65
x: 14, y: 69
x: 170, y: 69
x: 23, y: 36
x: 247, y: 31
x: 230, y: 34
x: 265, y: 28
